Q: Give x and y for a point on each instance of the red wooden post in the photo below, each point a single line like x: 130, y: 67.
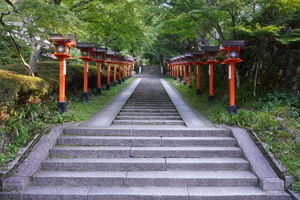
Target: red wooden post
x: 119, y: 81
x: 63, y: 47
x: 115, y: 74
x: 190, y: 76
x: 231, y: 49
x: 108, y: 77
x: 198, y: 80
x: 99, y: 78
x: 62, y: 80
x: 85, y: 76
x: 86, y: 55
x: 197, y: 55
x: 184, y: 74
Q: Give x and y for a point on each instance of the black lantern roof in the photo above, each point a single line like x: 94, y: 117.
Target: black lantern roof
x: 210, y: 49
x: 59, y: 37
x: 86, y: 45
x: 101, y: 50
x: 196, y: 53
x: 231, y: 43
x: 110, y: 53
x: 187, y: 55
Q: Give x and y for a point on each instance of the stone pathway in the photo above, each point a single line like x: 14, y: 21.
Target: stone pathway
x: 106, y: 159
x: 149, y: 104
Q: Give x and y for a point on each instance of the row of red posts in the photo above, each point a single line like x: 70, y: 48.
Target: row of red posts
x: 231, y: 50
x: 89, y: 52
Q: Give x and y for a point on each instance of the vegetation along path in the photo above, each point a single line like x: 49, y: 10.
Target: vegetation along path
x: 148, y: 143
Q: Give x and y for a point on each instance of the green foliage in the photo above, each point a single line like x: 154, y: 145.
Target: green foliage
x: 24, y: 120
x: 21, y: 89
x: 272, y: 117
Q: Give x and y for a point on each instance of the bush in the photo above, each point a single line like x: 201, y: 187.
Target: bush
x: 49, y: 71
x: 20, y: 89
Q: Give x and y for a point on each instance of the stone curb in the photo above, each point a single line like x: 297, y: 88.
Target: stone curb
x: 21, y: 179
x: 98, y: 113
x: 268, y: 179
x: 294, y: 195
x: 12, y: 166
x: 195, y: 110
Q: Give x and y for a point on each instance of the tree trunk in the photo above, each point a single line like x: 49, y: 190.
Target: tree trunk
x: 34, y: 56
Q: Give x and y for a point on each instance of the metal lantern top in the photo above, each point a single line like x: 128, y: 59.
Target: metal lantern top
x: 121, y: 60
x: 231, y: 49
x: 109, y: 56
x: 211, y: 54
x: 99, y: 54
x: 86, y: 49
x: 189, y: 58
x: 63, y: 44
x: 116, y: 58
x: 197, y: 55
x: 167, y: 60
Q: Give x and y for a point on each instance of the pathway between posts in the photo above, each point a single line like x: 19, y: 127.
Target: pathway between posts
x: 148, y: 143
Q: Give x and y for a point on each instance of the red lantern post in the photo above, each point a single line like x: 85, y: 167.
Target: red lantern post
x: 86, y: 50
x: 115, y: 62
x: 197, y: 55
x: 189, y: 58
x: 231, y: 49
x: 181, y: 63
x: 63, y: 48
x: 109, y: 59
x: 120, y: 64
x: 211, y: 54
x: 98, y: 57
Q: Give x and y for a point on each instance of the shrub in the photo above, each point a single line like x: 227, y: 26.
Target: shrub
x: 21, y: 89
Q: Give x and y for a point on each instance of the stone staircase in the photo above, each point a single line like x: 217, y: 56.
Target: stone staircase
x: 146, y: 164
x: 149, y: 104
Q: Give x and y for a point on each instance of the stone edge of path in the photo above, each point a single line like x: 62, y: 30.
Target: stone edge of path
x: 21, y: 178
x: 98, y: 113
x: 268, y: 179
x: 195, y: 110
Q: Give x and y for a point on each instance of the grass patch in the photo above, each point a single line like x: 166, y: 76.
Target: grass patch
x: 25, y: 119
x: 273, y: 116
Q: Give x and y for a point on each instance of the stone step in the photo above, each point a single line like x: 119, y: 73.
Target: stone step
x: 149, y: 103
x: 149, y: 110
x: 148, y: 100
x: 149, y: 132
x: 148, y: 122
x: 159, y: 117
x: 149, y: 107
x: 146, y: 164
x: 145, y: 193
x: 145, y: 141
x: 148, y: 114
x: 145, y: 152
x: 146, y: 178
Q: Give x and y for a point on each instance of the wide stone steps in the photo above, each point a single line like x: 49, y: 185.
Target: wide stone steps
x: 144, y: 152
x: 158, y: 117
x: 145, y: 114
x: 157, y: 110
x: 154, y: 132
x: 148, y: 107
x: 146, y: 164
x: 147, y: 193
x: 148, y: 122
x: 146, y: 178
x: 146, y: 141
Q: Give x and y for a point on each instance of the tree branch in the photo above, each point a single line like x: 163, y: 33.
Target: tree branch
x: 79, y: 4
